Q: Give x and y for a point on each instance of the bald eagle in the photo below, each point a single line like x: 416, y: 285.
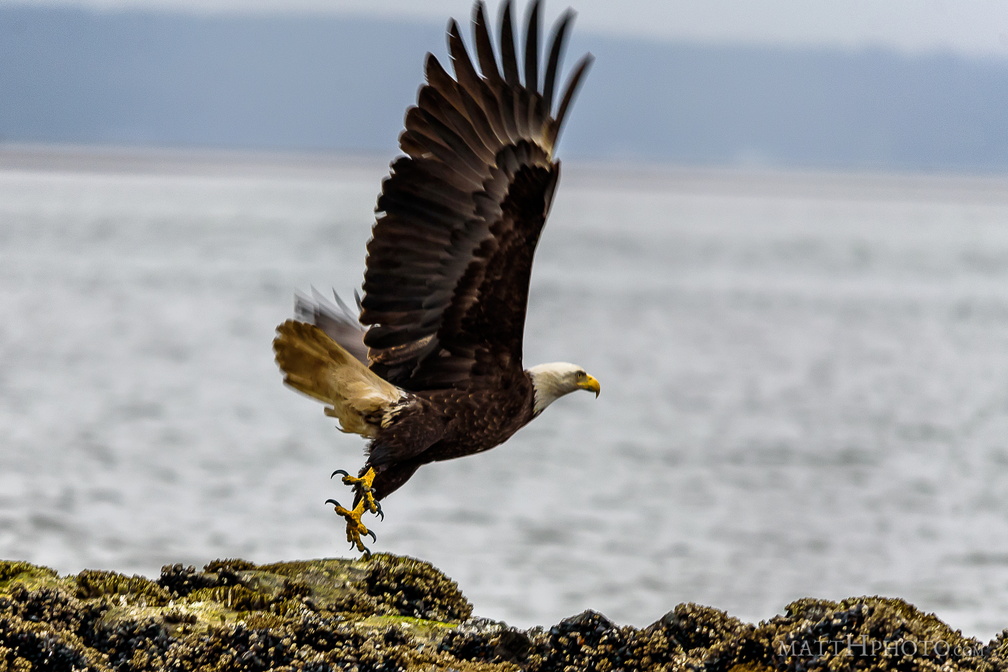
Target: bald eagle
x: 431, y: 367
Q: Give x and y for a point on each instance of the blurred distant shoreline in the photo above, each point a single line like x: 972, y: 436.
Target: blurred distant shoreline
x: 182, y: 160
x: 623, y: 174
x: 300, y: 83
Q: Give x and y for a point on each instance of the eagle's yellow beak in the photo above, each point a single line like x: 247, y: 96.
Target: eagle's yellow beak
x: 589, y: 383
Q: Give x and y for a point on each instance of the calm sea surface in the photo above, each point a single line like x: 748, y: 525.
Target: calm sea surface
x: 804, y: 387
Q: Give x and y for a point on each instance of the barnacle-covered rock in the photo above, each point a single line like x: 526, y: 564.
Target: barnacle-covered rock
x: 872, y: 632
x: 392, y: 613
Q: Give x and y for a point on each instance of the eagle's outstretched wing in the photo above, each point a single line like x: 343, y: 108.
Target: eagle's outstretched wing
x: 458, y: 219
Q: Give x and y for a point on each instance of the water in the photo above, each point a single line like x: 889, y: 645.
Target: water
x: 804, y: 387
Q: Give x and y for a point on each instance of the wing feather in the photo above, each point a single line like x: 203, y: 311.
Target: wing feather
x: 572, y: 86
x: 553, y: 65
x: 459, y: 122
x: 509, y: 57
x: 459, y: 217
x: 532, y: 48
x: 484, y: 45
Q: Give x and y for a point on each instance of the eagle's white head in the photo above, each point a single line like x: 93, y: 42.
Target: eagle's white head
x: 554, y: 380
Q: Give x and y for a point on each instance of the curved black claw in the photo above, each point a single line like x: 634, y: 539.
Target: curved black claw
x: 373, y: 536
x: 365, y: 551
x: 378, y: 512
x: 332, y: 501
x: 338, y: 471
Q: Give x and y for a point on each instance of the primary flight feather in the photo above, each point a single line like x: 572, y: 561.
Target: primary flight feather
x: 431, y: 368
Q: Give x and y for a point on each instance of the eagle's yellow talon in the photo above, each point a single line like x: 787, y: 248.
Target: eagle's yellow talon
x: 355, y: 529
x: 363, y: 486
x: 366, y: 503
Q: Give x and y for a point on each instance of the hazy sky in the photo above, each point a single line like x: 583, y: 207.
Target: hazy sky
x: 967, y: 26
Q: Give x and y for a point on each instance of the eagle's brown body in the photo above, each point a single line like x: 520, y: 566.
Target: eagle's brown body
x: 480, y: 418
x: 431, y: 369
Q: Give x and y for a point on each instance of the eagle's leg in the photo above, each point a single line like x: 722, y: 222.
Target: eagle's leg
x: 362, y: 487
x: 364, y: 503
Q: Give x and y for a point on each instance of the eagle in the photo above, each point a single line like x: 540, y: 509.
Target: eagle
x: 430, y: 367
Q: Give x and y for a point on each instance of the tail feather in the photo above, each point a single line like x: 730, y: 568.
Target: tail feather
x: 316, y: 365
x: 335, y: 319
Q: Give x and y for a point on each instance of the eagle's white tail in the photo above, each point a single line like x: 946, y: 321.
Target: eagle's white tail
x: 315, y: 364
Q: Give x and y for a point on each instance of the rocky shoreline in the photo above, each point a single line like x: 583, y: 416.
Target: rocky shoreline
x: 391, y: 613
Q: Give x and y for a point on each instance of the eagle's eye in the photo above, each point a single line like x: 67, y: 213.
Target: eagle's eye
x: 580, y: 374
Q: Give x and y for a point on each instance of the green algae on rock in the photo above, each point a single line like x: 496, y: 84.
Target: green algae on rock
x: 394, y: 613
x: 234, y: 615
x: 24, y: 572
